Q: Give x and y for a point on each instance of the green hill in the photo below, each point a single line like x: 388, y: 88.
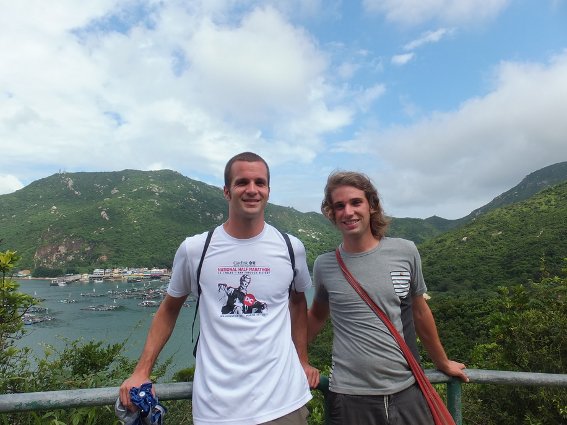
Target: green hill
x: 529, y: 186
x: 126, y: 218
x: 420, y: 230
x: 508, y: 245
x: 79, y: 221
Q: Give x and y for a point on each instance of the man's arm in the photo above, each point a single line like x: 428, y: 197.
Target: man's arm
x: 427, y: 332
x: 298, y: 314
x: 316, y: 318
x: 159, y: 333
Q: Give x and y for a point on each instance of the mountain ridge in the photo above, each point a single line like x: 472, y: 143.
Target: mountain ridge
x: 514, y: 244
x: 75, y: 221
x: 530, y: 185
x: 83, y: 219
x: 420, y: 230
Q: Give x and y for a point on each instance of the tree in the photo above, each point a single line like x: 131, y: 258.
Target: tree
x: 13, y: 305
x: 527, y: 333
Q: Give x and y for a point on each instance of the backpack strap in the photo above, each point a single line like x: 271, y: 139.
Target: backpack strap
x: 291, y: 257
x: 205, y: 247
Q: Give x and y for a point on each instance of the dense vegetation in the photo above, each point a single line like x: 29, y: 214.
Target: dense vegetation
x: 80, y: 221
x: 510, y: 245
x: 532, y: 184
x: 498, y: 282
x: 518, y: 328
x: 74, y: 222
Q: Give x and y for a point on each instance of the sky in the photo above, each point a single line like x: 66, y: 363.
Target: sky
x: 444, y: 104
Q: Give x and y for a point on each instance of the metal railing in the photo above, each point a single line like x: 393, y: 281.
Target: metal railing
x: 66, y: 399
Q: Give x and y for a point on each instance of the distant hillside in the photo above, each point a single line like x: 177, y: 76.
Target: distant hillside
x: 417, y: 229
x: 529, y: 186
x: 77, y: 221
x: 508, y: 245
x: 420, y: 230
x: 126, y: 218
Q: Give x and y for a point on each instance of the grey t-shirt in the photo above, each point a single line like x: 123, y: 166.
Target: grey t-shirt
x: 366, y: 358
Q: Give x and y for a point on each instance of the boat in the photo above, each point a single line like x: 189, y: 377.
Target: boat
x: 31, y: 319
x: 93, y: 294
x: 101, y: 307
x: 67, y: 301
x: 149, y: 303
x: 134, y: 279
x: 37, y: 309
x: 58, y: 281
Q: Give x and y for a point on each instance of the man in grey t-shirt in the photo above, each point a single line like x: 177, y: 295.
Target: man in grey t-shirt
x: 371, y: 382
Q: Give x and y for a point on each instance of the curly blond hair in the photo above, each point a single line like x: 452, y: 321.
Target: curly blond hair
x: 378, y: 221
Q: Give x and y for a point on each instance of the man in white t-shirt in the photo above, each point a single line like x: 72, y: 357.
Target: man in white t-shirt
x: 251, y: 364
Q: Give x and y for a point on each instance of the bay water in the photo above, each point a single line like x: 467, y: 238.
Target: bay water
x: 129, y: 321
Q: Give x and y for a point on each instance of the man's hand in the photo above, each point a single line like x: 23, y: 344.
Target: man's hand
x: 455, y: 369
x: 312, y: 375
x: 133, y: 381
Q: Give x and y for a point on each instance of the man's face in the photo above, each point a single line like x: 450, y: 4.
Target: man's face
x: 249, y: 191
x: 351, y: 211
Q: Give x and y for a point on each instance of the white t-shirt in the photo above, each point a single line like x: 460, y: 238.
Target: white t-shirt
x: 247, y: 369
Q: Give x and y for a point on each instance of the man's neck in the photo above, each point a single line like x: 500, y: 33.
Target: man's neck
x: 358, y: 245
x: 244, y: 229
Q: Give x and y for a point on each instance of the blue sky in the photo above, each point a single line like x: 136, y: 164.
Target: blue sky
x: 444, y: 104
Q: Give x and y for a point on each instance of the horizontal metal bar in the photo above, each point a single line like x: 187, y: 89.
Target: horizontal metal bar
x: 484, y: 376
x: 65, y: 399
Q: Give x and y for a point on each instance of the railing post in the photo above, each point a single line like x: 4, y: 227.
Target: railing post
x: 324, y: 388
x: 454, y: 400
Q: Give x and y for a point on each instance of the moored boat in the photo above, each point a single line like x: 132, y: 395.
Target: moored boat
x: 149, y: 303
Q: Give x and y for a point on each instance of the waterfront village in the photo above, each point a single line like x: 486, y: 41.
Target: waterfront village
x: 128, y: 274
x: 148, y: 286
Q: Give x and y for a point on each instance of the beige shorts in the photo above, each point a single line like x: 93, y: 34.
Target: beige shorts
x: 297, y: 417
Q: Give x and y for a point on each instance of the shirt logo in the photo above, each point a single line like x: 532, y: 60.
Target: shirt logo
x: 249, y: 300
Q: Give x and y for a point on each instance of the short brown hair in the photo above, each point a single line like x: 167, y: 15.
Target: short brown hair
x: 378, y: 221
x: 244, y: 156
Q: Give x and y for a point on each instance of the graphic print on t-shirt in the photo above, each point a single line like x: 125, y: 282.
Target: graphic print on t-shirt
x: 401, y: 281
x: 238, y: 300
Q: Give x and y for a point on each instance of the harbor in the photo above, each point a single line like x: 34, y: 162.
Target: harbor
x: 130, y: 275
x: 113, y: 311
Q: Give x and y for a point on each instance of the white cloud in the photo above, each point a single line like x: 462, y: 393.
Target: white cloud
x: 346, y: 70
x: 305, y: 9
x: 9, y: 184
x: 414, y: 12
x: 144, y: 84
x: 197, y: 86
x: 402, y: 59
x: 368, y: 96
x: 261, y: 67
x: 459, y: 160
x: 428, y: 38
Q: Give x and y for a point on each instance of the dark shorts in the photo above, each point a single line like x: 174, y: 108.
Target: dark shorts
x: 408, y: 407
